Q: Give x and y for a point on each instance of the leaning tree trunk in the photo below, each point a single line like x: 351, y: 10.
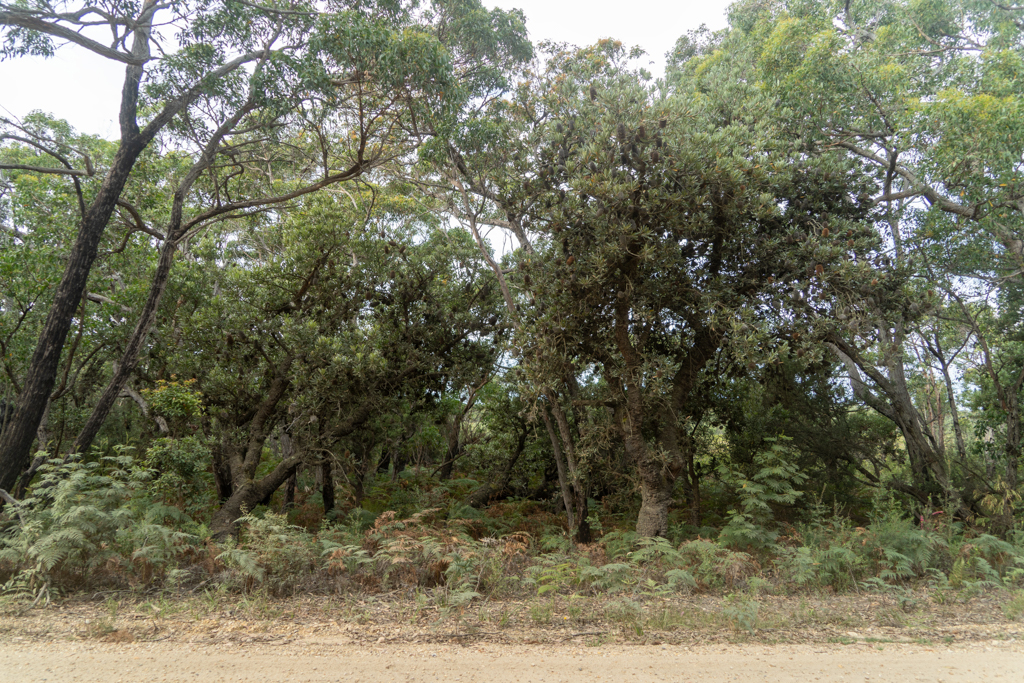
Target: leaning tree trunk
x: 930, y: 478
x: 246, y: 491
x: 16, y: 440
x: 248, y: 496
x: 500, y: 484
x: 175, y: 231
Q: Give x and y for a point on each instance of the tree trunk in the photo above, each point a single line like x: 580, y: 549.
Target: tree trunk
x: 174, y: 232
x: 500, y: 484
x: 563, y: 482
x: 16, y: 440
x: 242, y: 461
x: 455, y: 445
x: 928, y: 467
x: 289, y: 495
x: 954, y: 412
x: 655, y: 485
x: 1013, y: 439
x: 583, y: 534
x: 691, y: 472
x: 221, y: 473
x: 655, y: 491
x: 327, y: 487
x: 130, y: 357
x: 451, y: 454
x: 248, y: 496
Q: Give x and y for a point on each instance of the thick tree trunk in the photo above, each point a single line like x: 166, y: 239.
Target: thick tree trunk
x: 248, y: 495
x: 221, y: 473
x: 655, y: 484
x: 655, y: 493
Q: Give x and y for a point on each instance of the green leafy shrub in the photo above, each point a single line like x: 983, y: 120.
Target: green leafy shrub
x: 835, y: 566
x: 181, y: 477
x: 273, y: 553
x: 742, y: 611
x: 175, y: 399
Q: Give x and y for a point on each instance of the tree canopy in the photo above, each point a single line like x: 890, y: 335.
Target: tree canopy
x: 340, y: 244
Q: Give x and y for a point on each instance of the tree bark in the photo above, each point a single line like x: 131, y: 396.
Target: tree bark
x: 173, y: 233
x: 242, y: 462
x: 928, y: 468
x: 248, y: 496
x: 327, y: 486
x: 289, y: 494
x: 563, y: 482
x: 16, y: 441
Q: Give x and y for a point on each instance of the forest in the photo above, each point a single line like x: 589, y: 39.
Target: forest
x: 377, y: 293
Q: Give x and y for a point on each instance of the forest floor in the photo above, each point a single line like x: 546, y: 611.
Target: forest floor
x: 404, y: 637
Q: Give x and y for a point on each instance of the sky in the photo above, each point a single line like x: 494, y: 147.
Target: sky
x: 85, y: 89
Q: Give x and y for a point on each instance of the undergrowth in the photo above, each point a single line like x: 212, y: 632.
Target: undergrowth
x: 96, y: 525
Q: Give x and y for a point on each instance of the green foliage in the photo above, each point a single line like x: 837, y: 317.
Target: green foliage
x: 835, y: 566
x: 810, y: 228
x: 273, y: 554
x: 71, y: 527
x: 174, y: 399
x: 180, y: 467
x: 742, y: 611
x: 774, y: 482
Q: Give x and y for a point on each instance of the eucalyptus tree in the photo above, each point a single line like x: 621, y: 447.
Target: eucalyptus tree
x: 674, y: 239
x: 37, y: 229
x: 236, y: 83
x: 927, y: 98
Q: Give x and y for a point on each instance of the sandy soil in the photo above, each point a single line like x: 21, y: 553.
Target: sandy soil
x: 329, y: 660
x: 363, y: 640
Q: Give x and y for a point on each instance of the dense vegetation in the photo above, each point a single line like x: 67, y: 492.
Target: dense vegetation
x: 381, y: 294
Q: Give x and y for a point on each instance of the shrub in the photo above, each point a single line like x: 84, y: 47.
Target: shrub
x: 773, y: 483
x: 69, y: 528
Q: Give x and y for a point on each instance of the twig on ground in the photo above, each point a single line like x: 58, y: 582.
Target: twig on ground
x: 584, y: 633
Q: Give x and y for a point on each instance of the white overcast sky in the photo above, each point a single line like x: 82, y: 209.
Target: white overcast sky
x: 85, y: 89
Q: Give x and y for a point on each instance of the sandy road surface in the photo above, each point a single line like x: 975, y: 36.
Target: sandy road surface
x: 327, y: 660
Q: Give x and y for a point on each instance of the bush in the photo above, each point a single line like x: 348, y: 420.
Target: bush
x: 69, y: 529
x: 773, y: 483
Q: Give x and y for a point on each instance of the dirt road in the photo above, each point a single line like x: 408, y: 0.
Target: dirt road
x: 362, y: 639
x: 325, y: 659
